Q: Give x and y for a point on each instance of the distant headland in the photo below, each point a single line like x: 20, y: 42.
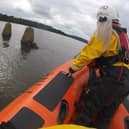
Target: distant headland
x: 22, y: 21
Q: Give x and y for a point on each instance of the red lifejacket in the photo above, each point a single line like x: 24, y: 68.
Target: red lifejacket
x: 124, y: 42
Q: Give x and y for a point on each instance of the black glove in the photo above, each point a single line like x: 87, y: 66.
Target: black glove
x: 71, y: 70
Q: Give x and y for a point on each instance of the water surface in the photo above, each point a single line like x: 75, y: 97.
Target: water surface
x: 19, y: 70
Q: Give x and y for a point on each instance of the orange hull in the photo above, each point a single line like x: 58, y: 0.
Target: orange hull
x: 28, y: 112
x: 120, y: 119
x: 26, y: 105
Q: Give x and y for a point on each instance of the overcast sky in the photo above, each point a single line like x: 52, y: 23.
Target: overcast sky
x: 76, y: 17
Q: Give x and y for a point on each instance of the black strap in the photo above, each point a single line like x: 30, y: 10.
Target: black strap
x: 107, y: 61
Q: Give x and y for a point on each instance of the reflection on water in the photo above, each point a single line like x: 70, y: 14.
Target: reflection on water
x: 26, y: 49
x: 5, y: 44
x: 20, y: 68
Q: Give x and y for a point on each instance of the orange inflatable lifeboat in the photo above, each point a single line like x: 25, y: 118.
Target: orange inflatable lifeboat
x: 53, y: 101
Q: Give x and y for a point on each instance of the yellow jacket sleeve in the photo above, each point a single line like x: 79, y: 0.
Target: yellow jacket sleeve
x: 91, y: 51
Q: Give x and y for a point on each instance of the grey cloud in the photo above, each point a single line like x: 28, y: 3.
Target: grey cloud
x: 75, y: 17
x: 44, y: 7
x: 71, y: 14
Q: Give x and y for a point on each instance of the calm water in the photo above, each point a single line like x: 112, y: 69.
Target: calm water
x: 18, y: 70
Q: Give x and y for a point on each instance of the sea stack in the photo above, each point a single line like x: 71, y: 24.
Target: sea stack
x: 7, y: 31
x: 28, y: 37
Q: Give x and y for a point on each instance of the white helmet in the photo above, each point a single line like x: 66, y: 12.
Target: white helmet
x: 105, y: 12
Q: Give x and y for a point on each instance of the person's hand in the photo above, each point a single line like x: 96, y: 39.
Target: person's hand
x: 71, y: 70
